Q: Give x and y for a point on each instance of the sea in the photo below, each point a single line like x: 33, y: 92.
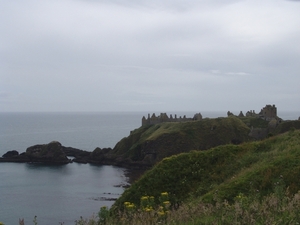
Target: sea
x: 61, y: 194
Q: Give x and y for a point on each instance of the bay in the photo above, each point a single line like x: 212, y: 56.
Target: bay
x: 56, y: 193
x: 60, y: 193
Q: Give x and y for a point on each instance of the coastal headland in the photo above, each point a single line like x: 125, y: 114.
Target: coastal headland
x: 163, y: 136
x: 237, y: 160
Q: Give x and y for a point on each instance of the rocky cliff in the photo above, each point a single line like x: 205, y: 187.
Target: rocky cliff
x: 45, y: 153
x: 147, y: 145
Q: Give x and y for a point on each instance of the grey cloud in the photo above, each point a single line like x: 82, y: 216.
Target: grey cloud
x: 4, y: 95
x: 169, y: 55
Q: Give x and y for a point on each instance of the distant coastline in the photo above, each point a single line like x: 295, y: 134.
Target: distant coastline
x: 142, y: 148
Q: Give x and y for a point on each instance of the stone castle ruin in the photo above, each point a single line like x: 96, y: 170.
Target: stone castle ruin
x: 269, y: 112
x: 163, y: 117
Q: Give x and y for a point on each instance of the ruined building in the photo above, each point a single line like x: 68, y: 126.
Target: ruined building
x: 163, y: 117
x: 268, y: 113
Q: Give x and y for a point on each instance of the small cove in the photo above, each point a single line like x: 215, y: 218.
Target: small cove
x: 60, y: 193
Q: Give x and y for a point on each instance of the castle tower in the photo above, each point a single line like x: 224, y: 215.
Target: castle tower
x: 269, y: 112
x: 144, y: 121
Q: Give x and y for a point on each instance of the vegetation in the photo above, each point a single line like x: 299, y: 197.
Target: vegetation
x: 254, y: 122
x: 222, y: 172
x: 150, y: 144
x: 287, y: 126
x: 250, y: 183
x: 279, y: 207
x: 253, y: 183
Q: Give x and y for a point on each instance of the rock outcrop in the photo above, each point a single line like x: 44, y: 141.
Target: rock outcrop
x: 11, y: 154
x: 46, y: 153
x: 55, y: 153
x: 148, y: 145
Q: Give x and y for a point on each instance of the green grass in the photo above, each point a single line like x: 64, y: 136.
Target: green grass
x: 254, y: 122
x: 278, y: 207
x: 222, y: 172
x: 252, y: 183
x: 149, y: 144
x: 166, y: 139
x: 225, y: 184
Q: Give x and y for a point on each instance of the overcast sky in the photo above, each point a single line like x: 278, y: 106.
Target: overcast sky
x: 158, y: 55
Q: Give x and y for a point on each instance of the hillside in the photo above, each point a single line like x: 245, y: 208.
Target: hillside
x: 222, y: 172
x: 148, y: 145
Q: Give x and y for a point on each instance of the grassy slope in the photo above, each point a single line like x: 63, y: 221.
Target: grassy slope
x: 223, y: 172
x: 167, y: 139
x: 286, y: 126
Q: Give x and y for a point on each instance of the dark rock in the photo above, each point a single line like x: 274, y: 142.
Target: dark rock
x: 80, y: 156
x: 99, y: 154
x: 11, y: 154
x: 104, y: 199
x: 14, y: 156
x: 47, y: 153
x: 75, y: 152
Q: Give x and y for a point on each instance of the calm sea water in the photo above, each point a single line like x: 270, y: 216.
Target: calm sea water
x: 64, y: 193
x: 85, y: 131
x: 60, y: 193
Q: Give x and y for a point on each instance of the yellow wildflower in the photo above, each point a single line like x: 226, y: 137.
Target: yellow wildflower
x: 161, y: 213
x: 143, y: 198
x: 130, y: 206
x: 148, y: 209
x: 164, y: 193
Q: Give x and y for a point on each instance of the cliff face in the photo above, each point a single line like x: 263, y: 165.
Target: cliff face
x: 150, y: 144
x: 147, y: 145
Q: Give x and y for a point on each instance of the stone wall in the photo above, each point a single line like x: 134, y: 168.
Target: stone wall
x: 268, y: 113
x: 163, y: 117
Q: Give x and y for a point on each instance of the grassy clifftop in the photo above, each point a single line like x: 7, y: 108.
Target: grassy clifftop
x: 223, y: 172
x: 150, y: 144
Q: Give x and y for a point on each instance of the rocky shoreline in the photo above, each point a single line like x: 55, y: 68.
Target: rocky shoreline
x: 55, y: 153
x: 148, y: 145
